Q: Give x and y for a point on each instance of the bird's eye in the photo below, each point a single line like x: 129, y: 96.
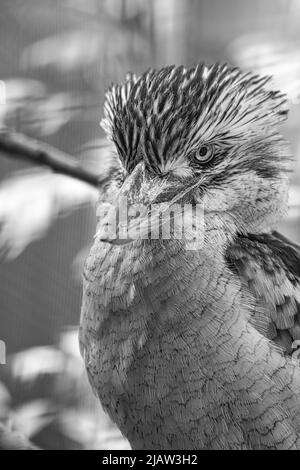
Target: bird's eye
x: 204, y: 153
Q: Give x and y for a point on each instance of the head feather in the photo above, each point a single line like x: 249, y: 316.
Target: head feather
x: 166, y: 113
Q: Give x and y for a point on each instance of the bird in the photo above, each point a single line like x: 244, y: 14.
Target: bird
x: 194, y: 346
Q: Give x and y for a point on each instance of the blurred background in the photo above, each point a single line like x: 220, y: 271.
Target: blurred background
x: 57, y: 57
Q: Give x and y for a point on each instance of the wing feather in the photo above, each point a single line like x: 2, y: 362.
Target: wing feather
x: 269, y: 266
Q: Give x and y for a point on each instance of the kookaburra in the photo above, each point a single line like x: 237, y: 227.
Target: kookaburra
x: 193, y: 348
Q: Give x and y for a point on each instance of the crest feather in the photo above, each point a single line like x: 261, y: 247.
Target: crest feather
x: 175, y: 109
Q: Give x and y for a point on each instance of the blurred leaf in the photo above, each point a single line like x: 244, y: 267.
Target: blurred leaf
x: 30, y: 108
x: 5, y: 401
x: 30, y: 418
x: 29, y: 203
x: 50, y: 115
x: 270, y: 54
x: 80, y: 426
x: 65, y: 414
x: 20, y: 93
x: 27, y: 208
x: 65, y: 52
x: 27, y: 365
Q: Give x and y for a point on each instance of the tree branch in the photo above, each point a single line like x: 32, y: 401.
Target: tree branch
x: 19, y: 146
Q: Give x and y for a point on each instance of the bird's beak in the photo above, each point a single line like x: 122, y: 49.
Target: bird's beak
x: 117, y: 218
x: 148, y: 207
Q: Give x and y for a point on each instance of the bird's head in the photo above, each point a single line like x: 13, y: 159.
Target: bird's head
x: 206, y: 135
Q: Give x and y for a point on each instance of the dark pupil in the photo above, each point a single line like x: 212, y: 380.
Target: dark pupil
x: 203, y: 151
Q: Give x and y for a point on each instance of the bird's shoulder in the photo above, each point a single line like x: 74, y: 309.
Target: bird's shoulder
x: 269, y: 266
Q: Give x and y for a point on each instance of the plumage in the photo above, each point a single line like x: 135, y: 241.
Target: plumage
x: 190, y: 346
x: 270, y: 266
